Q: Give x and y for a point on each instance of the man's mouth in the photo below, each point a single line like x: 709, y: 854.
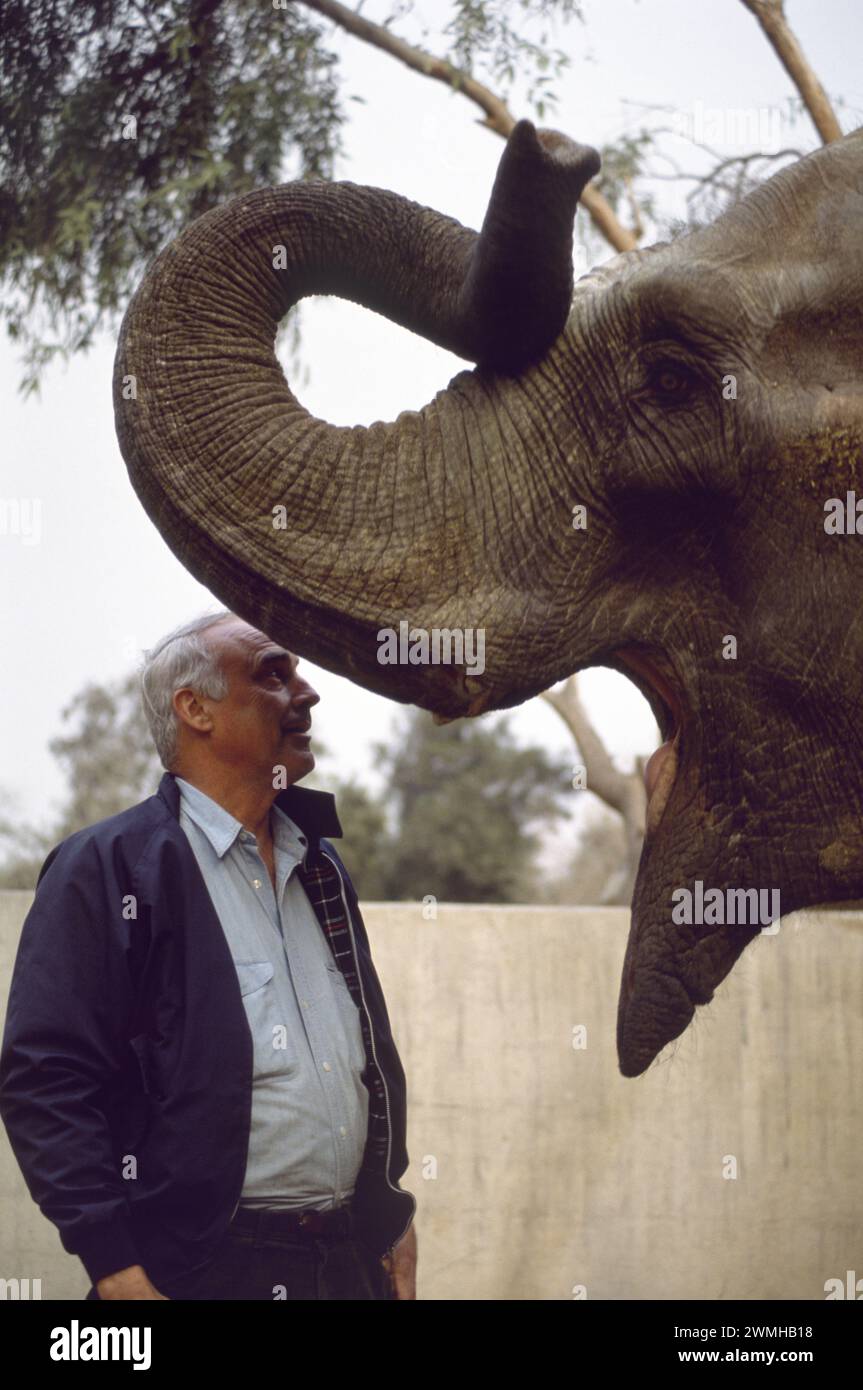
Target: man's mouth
x: 298, y: 729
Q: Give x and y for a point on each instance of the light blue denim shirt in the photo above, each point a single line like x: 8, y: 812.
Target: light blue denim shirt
x: 309, y: 1104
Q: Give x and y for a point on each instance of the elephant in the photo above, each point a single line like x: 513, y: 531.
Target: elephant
x: 696, y: 404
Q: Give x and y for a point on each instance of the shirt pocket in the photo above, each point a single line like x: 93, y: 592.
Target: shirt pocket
x: 272, y: 1034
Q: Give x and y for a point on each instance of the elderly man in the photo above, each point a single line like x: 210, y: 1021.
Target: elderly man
x: 198, y: 1076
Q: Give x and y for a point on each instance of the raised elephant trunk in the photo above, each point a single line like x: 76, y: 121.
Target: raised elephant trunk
x: 324, y: 535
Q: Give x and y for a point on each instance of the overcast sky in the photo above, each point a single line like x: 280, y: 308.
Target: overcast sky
x: 99, y: 584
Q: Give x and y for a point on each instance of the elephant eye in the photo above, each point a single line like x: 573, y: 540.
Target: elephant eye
x: 670, y: 382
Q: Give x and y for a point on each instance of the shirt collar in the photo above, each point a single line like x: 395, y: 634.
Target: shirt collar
x: 313, y: 811
x: 222, y: 829
x: 219, y: 826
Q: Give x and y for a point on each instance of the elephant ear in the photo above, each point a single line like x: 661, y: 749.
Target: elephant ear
x: 797, y: 237
x: 322, y: 535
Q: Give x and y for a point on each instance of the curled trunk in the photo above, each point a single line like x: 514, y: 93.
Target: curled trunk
x: 321, y: 535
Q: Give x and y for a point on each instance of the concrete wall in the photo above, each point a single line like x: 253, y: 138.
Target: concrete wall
x: 538, y: 1168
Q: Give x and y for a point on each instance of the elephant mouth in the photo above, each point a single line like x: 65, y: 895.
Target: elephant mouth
x: 652, y: 672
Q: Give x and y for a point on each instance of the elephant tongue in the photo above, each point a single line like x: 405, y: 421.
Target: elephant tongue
x: 659, y: 774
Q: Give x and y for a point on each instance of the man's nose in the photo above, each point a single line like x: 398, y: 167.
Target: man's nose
x: 304, y: 695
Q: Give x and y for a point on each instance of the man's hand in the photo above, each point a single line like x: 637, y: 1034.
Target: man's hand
x: 131, y: 1283
x: 402, y: 1265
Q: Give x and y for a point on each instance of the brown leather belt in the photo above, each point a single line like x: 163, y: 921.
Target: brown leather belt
x: 299, y: 1223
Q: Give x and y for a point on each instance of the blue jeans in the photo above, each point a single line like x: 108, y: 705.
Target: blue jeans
x: 275, y: 1267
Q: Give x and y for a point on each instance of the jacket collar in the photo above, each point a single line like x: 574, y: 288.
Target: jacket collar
x: 313, y: 811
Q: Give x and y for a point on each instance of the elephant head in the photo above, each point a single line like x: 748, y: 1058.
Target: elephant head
x: 700, y: 401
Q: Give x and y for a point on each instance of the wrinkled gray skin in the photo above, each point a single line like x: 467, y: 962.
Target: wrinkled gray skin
x: 705, y: 514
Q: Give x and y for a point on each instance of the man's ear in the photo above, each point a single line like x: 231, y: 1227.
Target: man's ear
x: 190, y: 711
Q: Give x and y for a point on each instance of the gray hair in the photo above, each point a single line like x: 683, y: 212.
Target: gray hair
x: 179, y: 659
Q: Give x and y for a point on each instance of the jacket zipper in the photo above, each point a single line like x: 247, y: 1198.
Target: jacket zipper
x: 374, y: 1054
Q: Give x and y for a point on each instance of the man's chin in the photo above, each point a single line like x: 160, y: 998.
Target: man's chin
x: 297, y: 766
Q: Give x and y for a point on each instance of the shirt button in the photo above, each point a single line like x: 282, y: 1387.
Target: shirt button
x: 342, y: 1129
x: 256, y: 882
x: 327, y: 1066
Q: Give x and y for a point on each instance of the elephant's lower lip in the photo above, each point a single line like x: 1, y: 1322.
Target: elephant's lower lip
x: 638, y: 1042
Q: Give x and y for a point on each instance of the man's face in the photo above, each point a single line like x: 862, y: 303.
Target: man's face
x: 262, y: 723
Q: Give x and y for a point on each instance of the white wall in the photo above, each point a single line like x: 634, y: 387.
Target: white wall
x: 552, y: 1170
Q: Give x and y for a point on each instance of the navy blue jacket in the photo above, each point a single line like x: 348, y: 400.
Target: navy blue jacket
x: 126, y: 1063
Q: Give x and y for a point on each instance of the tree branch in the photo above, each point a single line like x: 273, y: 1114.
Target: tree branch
x: 771, y: 16
x: 497, y: 115
x: 615, y: 788
x: 142, y: 14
